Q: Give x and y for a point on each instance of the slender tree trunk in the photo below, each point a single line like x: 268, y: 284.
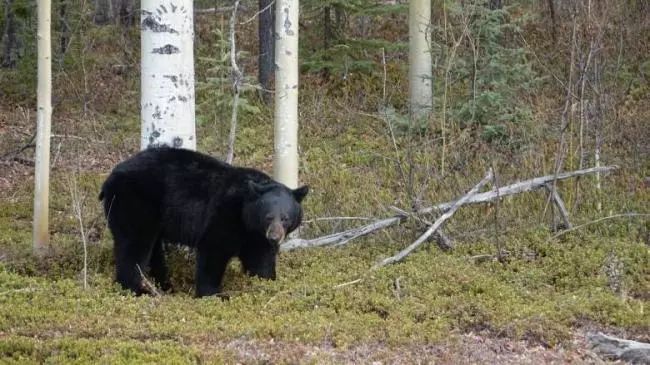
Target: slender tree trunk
x: 266, y: 48
x: 9, y: 42
x: 285, y: 164
x: 167, y: 77
x: 420, y: 74
x: 43, y: 123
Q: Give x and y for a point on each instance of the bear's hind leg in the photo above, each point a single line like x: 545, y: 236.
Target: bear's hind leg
x: 130, y: 264
x: 135, y: 227
x: 158, y: 264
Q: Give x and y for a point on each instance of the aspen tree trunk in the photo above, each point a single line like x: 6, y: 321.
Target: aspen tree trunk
x: 167, y: 77
x: 285, y: 164
x: 420, y: 75
x: 43, y: 124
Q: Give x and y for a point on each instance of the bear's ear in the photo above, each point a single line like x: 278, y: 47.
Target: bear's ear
x: 255, y: 188
x: 300, y: 193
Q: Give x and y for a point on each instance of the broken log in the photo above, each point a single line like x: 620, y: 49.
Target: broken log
x: 437, y: 224
x: 344, y: 237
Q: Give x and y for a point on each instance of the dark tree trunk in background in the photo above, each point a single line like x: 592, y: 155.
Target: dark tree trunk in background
x: 126, y: 12
x: 266, y: 49
x: 9, y: 41
x: 64, y: 29
x: 495, y: 4
x: 551, y: 9
x: 115, y: 11
x: 327, y: 26
x: 103, y: 12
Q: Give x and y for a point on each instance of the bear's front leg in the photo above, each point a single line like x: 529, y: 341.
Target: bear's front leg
x: 210, y: 266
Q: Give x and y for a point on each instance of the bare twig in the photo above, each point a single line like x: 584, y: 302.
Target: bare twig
x: 623, y: 215
x: 347, y: 284
x: 77, y: 204
x: 146, y: 284
x: 258, y: 13
x: 437, y: 224
x: 216, y: 10
x: 11, y: 155
x: 238, y: 77
x: 497, y: 231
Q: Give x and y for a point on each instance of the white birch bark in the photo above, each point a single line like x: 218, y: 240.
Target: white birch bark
x: 285, y: 164
x: 43, y: 125
x: 167, y: 77
x: 420, y: 74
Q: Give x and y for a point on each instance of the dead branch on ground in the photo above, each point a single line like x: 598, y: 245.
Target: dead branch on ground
x: 344, y: 237
x: 438, y: 223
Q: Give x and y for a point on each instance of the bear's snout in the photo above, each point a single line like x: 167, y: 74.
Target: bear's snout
x: 275, y: 233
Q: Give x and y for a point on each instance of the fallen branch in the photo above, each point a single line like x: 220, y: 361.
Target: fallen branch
x: 615, y: 348
x: 437, y: 224
x: 520, y: 187
x: 341, y: 238
x: 516, y: 188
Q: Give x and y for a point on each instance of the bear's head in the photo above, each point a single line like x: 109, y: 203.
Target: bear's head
x: 270, y: 212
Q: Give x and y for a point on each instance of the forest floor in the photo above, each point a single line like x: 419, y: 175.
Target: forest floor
x: 328, y: 306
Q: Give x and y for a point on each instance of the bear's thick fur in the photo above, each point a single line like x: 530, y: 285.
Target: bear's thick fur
x: 184, y: 197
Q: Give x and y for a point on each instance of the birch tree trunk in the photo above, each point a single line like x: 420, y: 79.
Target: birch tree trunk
x: 167, y: 77
x: 420, y: 74
x: 43, y: 124
x: 285, y: 164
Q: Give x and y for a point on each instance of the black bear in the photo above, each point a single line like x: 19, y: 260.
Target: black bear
x: 184, y: 197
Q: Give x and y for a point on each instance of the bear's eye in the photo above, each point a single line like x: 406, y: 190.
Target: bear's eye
x: 268, y: 218
x: 285, y: 218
